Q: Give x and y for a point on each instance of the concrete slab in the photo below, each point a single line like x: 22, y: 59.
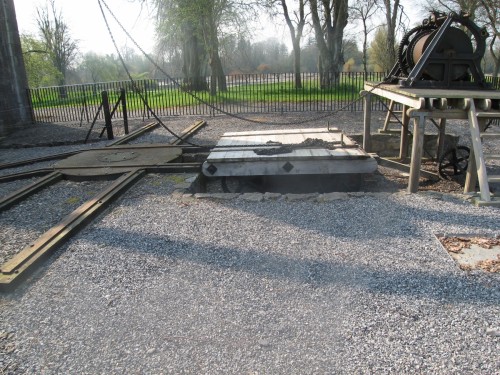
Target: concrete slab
x: 473, y: 251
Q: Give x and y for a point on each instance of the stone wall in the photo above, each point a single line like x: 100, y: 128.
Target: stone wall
x: 14, y: 105
x: 387, y: 145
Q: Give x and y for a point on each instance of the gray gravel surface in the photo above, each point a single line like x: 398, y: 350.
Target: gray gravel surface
x: 29, y: 219
x: 165, y: 283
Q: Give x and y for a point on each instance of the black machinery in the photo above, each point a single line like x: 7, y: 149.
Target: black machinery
x: 444, y: 52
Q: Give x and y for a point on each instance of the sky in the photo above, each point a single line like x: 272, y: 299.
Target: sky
x: 87, y: 24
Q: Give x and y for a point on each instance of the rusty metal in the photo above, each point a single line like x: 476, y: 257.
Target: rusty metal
x: 135, y: 134
x: 31, y: 189
x: 38, y: 160
x: 17, y: 266
x: 117, y: 159
x: 188, y: 132
x: 441, y: 54
x: 25, y: 175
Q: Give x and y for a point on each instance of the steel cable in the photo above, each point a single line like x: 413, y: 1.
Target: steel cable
x: 196, y: 97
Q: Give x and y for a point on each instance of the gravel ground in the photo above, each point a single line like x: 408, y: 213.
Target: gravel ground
x: 161, y: 283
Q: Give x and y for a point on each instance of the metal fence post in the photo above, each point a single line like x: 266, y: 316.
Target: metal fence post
x: 107, y: 114
x: 123, y: 96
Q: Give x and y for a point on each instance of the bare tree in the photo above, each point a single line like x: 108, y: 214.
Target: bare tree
x: 391, y: 12
x: 491, y: 10
x: 329, y: 23
x: 482, y: 11
x: 295, y: 20
x: 55, y: 32
x: 363, y: 11
x: 468, y: 6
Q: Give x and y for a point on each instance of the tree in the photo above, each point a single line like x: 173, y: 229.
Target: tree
x: 391, y: 12
x: 55, y: 32
x: 329, y: 22
x: 197, y: 27
x: 363, y: 11
x: 378, y: 55
x: 481, y: 11
x: 447, y: 6
x: 40, y: 69
x: 491, y: 11
x: 295, y: 23
x: 97, y: 68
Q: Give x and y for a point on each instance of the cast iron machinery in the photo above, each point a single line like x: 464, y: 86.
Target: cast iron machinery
x: 444, y: 52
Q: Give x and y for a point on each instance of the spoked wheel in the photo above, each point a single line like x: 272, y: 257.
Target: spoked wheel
x: 454, y: 162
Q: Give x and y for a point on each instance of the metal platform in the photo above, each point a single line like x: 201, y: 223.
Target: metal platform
x: 118, y: 159
x: 287, y: 152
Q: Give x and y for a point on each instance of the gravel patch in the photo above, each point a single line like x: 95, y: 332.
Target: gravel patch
x: 29, y: 219
x: 164, y: 282
x: 160, y: 284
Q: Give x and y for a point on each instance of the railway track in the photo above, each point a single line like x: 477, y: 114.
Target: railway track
x: 121, y: 163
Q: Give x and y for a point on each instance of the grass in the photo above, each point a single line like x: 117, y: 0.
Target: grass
x: 168, y: 97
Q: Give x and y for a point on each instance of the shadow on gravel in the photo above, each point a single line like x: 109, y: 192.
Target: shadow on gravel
x: 315, y: 273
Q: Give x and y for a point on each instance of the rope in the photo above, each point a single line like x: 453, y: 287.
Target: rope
x: 133, y: 81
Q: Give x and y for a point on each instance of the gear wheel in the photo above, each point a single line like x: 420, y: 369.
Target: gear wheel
x: 406, y: 45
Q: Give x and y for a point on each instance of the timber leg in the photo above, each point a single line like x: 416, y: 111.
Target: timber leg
x: 417, y: 150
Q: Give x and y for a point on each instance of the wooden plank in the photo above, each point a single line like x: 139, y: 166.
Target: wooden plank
x: 417, y: 150
x: 300, y: 167
x: 433, y: 93
x: 303, y: 154
x: 279, y: 132
x: 475, y: 131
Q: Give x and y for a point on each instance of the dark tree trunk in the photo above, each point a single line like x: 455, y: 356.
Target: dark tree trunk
x: 193, y: 62
x: 329, y: 37
x: 296, y: 36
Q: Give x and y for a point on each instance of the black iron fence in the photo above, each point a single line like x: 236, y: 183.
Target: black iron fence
x: 246, y: 93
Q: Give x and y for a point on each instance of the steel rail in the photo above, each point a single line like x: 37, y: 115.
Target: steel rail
x: 40, y: 159
x: 188, y: 132
x: 26, y: 175
x: 16, y: 267
x: 135, y: 134
x: 31, y: 189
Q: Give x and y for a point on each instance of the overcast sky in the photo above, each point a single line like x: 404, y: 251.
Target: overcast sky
x: 87, y: 25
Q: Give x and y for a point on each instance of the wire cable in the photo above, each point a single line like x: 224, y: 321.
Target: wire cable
x: 193, y: 95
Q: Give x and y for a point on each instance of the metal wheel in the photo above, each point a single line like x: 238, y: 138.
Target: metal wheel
x: 454, y: 162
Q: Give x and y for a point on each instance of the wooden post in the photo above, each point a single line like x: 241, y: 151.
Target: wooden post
x: 107, y: 114
x: 471, y: 175
x: 123, y: 96
x: 367, y: 115
x: 417, y: 150
x: 403, y: 145
x: 441, y: 138
x: 476, y: 127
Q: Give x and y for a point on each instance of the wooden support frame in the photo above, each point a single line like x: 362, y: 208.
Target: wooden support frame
x: 442, y: 104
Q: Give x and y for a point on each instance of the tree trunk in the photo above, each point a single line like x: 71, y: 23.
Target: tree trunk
x: 391, y: 16
x: 296, y: 64
x: 193, y: 62
x: 296, y: 37
x: 329, y: 37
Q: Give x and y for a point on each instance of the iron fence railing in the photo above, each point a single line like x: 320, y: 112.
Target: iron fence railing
x: 246, y: 93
